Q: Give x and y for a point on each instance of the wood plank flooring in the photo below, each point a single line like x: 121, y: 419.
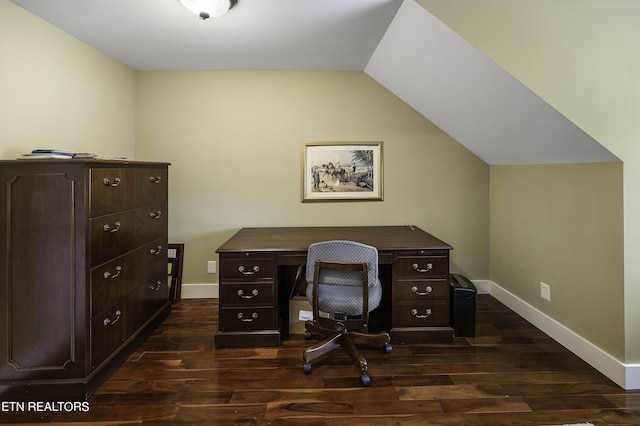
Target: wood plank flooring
x: 509, y: 374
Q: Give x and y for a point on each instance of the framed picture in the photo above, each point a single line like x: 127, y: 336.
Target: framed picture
x: 341, y: 171
x: 175, y: 255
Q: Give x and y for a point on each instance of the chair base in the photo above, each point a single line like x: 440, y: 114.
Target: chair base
x: 342, y: 337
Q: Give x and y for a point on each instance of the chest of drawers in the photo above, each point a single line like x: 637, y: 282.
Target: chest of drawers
x: 84, y: 244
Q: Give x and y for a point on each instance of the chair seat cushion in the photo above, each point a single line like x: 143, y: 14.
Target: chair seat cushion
x: 345, y: 299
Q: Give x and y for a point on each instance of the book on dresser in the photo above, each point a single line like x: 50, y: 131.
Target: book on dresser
x: 85, y: 244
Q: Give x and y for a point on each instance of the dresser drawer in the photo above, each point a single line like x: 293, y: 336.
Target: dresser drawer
x: 421, y: 290
x: 107, y: 333
x: 116, y: 189
x: 430, y: 314
x: 118, y: 233
x: 144, y: 301
x: 247, y: 319
x: 247, y: 269
x: 247, y: 294
x: 108, y: 284
x: 421, y: 266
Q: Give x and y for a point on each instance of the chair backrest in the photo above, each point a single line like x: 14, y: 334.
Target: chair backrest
x: 343, y: 251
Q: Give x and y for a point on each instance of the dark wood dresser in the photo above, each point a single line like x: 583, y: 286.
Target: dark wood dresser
x: 83, y: 264
x: 255, y: 281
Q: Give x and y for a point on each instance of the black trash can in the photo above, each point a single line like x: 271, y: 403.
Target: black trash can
x: 463, y: 306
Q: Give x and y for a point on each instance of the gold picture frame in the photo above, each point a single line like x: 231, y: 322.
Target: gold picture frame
x: 342, y: 171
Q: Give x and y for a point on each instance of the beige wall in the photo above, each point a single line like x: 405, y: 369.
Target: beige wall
x: 58, y: 92
x: 234, y: 141
x: 562, y: 225
x: 578, y: 55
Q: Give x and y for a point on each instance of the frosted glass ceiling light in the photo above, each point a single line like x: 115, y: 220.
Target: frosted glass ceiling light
x: 206, y: 9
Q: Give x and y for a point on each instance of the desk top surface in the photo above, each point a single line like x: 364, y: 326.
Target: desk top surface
x: 298, y: 239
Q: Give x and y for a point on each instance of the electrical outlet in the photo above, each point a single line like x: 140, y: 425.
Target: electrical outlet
x: 545, y: 291
x: 211, y: 267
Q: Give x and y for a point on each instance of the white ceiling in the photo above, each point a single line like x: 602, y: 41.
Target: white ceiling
x: 253, y: 35
x: 396, y: 42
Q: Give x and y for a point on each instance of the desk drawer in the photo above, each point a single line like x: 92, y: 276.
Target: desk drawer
x: 421, y: 267
x: 430, y: 314
x: 247, y: 269
x: 247, y: 294
x: 421, y: 290
x: 247, y: 319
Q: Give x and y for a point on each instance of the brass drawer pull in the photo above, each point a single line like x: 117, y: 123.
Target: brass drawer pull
x: 426, y: 291
x: 155, y: 215
x: 156, y: 286
x: 116, y: 228
x: 417, y: 268
x: 155, y: 179
x: 242, y: 318
x: 243, y: 270
x: 414, y: 312
x: 107, y: 182
x: 109, y: 321
x: 253, y: 294
x: 155, y: 251
x: 108, y: 275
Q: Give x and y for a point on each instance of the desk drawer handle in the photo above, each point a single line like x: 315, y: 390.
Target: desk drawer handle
x: 243, y: 270
x: 155, y: 215
x: 111, y: 230
x: 417, y: 268
x: 414, y: 312
x: 155, y: 251
x: 426, y: 291
x: 253, y: 294
x: 242, y: 318
x: 156, y: 286
x: 109, y: 321
x: 155, y: 179
x: 107, y: 182
x: 109, y: 276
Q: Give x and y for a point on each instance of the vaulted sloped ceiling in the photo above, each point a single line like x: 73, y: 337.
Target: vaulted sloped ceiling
x: 469, y: 97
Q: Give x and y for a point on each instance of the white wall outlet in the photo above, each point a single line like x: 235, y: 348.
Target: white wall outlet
x: 545, y: 291
x: 211, y: 267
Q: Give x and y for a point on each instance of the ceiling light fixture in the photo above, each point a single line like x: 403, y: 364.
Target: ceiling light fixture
x: 206, y: 9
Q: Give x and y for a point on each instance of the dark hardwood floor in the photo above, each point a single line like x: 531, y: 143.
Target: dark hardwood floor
x: 509, y: 374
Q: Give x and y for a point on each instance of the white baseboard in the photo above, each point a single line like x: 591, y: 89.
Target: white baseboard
x: 626, y: 376
x: 200, y: 291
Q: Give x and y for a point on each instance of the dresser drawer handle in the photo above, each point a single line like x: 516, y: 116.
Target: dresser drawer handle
x: 116, y: 228
x: 156, y: 286
x: 414, y: 312
x: 107, y: 182
x: 243, y: 270
x: 155, y: 251
x: 417, y: 268
x: 109, y: 321
x: 253, y: 294
x: 242, y: 318
x: 109, y: 276
x: 155, y: 179
x: 155, y: 215
x: 426, y: 291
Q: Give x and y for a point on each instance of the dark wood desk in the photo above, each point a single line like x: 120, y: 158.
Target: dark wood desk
x: 256, y: 277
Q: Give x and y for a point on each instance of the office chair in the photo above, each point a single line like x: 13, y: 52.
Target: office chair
x: 343, y: 285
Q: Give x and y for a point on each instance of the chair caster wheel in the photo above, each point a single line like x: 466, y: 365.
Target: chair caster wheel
x: 387, y: 348
x: 306, y: 367
x: 365, y: 380
x: 307, y: 335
